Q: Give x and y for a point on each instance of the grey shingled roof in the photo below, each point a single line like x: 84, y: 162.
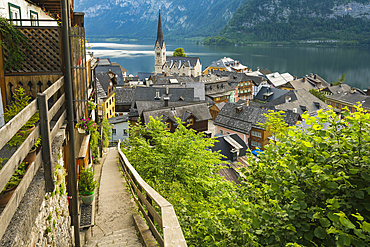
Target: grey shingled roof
x: 247, y: 118
x: 266, y: 90
x: 150, y: 105
x: 351, y: 98
x: 298, y: 98
x: 149, y: 93
x: 188, y: 61
x: 100, y: 91
x: 119, y: 119
x: 338, y: 89
x: 104, y: 80
x: 116, y: 69
x: 124, y: 96
x: 198, y: 110
x: 239, y: 77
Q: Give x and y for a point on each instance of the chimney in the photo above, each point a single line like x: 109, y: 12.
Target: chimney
x: 97, y: 58
x: 353, y: 90
x: 247, y: 102
x: 368, y: 91
x: 311, y: 75
x: 295, y: 77
x: 304, y: 79
x: 234, y: 155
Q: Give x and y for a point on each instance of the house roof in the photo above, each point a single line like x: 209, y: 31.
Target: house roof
x: 143, y: 75
x: 228, y: 63
x: 100, y: 90
x: 198, y: 110
x: 124, y: 96
x: 220, y: 89
x: 351, y: 98
x: 239, y: 77
x: 122, y: 68
x: 119, y: 119
x: 223, y: 145
x: 229, y: 174
x: 278, y: 79
x: 175, y: 94
x: 104, y: 80
x: 190, y: 62
x: 338, y: 89
x: 157, y: 104
x: 242, y: 118
x: 265, y: 71
x: 116, y: 69
x: 220, y: 105
x: 299, y: 101
x: 270, y: 93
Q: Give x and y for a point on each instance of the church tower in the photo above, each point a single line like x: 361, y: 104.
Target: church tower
x: 160, y: 48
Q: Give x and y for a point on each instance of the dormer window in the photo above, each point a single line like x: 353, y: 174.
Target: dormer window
x: 190, y: 121
x: 238, y: 109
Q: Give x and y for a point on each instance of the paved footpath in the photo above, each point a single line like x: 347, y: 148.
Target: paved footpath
x: 114, y: 225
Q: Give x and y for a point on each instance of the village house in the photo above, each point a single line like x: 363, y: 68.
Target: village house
x: 225, y: 64
x: 299, y: 101
x: 268, y: 94
x: 349, y: 99
x: 105, y: 65
x: 106, y: 85
x: 307, y: 82
x: 276, y: 79
x: 123, y: 99
x: 243, y: 120
x: 193, y: 115
x: 189, y: 66
x: 120, y: 128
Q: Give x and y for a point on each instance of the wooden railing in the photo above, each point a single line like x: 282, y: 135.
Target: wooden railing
x: 46, y: 112
x: 167, y: 221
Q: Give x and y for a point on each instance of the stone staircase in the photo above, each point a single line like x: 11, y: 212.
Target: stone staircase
x: 125, y: 237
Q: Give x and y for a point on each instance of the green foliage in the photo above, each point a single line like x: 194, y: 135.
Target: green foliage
x: 50, y: 216
x: 87, y: 182
x: 275, y: 124
x: 218, y: 40
x: 94, y: 144
x: 91, y: 105
x: 16, y: 177
x: 179, y: 52
x: 312, y: 188
x: 12, y: 41
x: 182, y: 168
x: 107, y: 131
x: 87, y: 125
x: 319, y: 94
x: 341, y: 80
x: 310, y: 21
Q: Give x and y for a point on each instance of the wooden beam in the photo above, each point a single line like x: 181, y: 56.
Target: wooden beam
x: 46, y: 142
x: 10, y: 128
x: 2, y: 77
x: 57, y: 105
x: 13, y: 163
x: 17, y: 197
x: 59, y: 124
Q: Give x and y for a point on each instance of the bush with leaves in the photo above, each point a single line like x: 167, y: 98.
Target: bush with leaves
x: 312, y: 187
x: 107, y: 131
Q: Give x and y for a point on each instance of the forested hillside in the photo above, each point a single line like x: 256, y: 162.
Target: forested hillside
x: 300, y: 20
x: 138, y: 19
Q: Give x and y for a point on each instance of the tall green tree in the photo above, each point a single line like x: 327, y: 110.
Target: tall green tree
x: 318, y: 94
x: 341, y: 80
x: 179, y: 52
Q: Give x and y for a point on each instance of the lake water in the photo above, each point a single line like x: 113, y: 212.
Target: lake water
x: 328, y: 62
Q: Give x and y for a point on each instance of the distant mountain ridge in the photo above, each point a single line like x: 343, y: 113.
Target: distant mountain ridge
x: 138, y: 18
x: 299, y: 20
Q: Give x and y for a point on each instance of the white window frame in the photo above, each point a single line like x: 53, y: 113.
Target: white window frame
x: 256, y: 144
x: 256, y: 134
x: 34, y: 16
x: 15, y: 13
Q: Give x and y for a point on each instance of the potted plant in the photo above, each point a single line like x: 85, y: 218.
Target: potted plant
x: 86, y: 125
x: 87, y: 185
x: 12, y: 184
x: 91, y: 105
x: 31, y: 156
x: 19, y: 102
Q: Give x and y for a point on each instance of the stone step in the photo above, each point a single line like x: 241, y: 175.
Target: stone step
x: 124, y: 237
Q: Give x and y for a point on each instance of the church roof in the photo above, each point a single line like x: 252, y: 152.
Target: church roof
x: 160, y: 39
x: 190, y: 62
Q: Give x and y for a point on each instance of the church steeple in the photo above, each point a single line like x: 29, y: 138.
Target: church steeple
x: 160, y: 31
x: 159, y: 48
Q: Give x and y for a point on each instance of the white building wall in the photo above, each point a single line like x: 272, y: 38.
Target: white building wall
x: 26, y: 9
x: 119, y: 127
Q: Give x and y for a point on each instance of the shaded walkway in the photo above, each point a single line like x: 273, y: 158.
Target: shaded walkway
x: 114, y: 224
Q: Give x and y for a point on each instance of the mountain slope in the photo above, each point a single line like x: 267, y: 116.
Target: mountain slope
x: 138, y: 18
x: 297, y: 20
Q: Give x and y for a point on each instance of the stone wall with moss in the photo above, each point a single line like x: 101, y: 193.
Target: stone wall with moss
x: 52, y: 226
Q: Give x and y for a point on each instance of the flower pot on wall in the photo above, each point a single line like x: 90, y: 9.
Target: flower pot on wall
x: 31, y: 156
x: 87, y: 198
x: 6, y: 195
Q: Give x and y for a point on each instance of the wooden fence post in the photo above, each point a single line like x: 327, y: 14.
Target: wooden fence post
x: 46, y: 142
